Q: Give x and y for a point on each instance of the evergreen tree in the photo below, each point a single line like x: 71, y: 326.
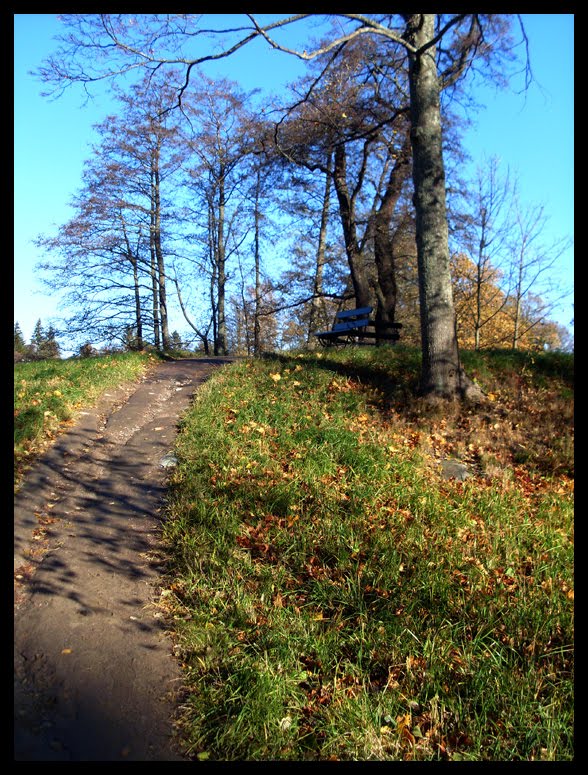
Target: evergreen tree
x: 176, y: 341
x: 43, y: 342
x: 37, y: 339
x: 50, y: 344
x: 19, y: 342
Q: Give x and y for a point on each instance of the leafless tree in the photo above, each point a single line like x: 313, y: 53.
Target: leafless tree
x: 440, y: 49
x: 532, y: 261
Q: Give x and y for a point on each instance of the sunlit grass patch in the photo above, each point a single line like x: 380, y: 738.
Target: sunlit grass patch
x: 47, y: 394
x: 336, y: 598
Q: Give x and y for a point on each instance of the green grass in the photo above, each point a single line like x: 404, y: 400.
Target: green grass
x: 331, y: 596
x: 334, y: 598
x: 47, y: 395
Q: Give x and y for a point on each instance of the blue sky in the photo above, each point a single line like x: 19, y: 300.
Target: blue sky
x: 532, y: 134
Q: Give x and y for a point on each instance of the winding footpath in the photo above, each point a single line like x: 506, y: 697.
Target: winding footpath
x: 94, y: 674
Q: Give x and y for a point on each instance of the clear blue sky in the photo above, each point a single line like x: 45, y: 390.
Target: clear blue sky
x: 532, y: 133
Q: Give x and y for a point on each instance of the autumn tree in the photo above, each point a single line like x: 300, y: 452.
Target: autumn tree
x: 498, y: 309
x: 485, y: 237
x: 502, y: 274
x: 479, y: 303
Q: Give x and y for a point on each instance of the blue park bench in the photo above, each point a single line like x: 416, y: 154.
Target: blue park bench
x: 354, y: 325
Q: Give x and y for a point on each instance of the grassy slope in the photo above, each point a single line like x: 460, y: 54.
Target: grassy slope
x: 333, y: 597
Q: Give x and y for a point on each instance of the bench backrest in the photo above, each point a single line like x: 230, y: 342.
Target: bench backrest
x: 362, y: 312
x: 352, y: 318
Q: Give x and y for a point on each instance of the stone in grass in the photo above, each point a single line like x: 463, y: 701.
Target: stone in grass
x: 168, y: 461
x: 453, y: 469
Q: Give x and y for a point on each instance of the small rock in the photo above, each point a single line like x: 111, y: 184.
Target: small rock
x: 168, y: 461
x: 453, y: 469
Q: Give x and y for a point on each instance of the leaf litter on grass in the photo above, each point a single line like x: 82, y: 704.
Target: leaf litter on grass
x: 399, y: 615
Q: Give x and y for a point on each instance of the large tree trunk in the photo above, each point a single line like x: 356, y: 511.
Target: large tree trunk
x: 359, y: 279
x: 441, y: 373
x: 384, y: 243
x: 317, y: 290
x: 156, y: 241
x: 138, y: 316
x: 133, y: 260
x: 155, y: 296
x: 220, y: 343
x: 257, y: 258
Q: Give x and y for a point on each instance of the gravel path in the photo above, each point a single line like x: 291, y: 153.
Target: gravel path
x: 95, y: 678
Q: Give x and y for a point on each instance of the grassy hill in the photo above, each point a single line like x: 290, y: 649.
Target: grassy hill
x: 331, y: 593
x: 335, y: 597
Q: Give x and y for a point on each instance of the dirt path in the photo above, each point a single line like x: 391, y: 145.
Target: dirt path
x: 95, y: 678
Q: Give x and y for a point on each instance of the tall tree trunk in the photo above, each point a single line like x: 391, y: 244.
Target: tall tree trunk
x: 441, y: 373
x: 155, y: 295
x: 517, y: 305
x: 479, y: 281
x: 220, y: 344
x: 320, y: 258
x: 384, y: 242
x: 212, y: 253
x: 132, y: 258
x: 346, y: 206
x: 138, y: 318
x: 257, y: 311
x: 156, y: 208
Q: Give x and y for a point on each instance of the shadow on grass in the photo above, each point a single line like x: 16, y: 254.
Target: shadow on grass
x: 538, y: 364
x: 394, y: 371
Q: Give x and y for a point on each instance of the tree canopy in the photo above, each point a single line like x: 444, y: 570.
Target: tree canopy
x: 194, y: 190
